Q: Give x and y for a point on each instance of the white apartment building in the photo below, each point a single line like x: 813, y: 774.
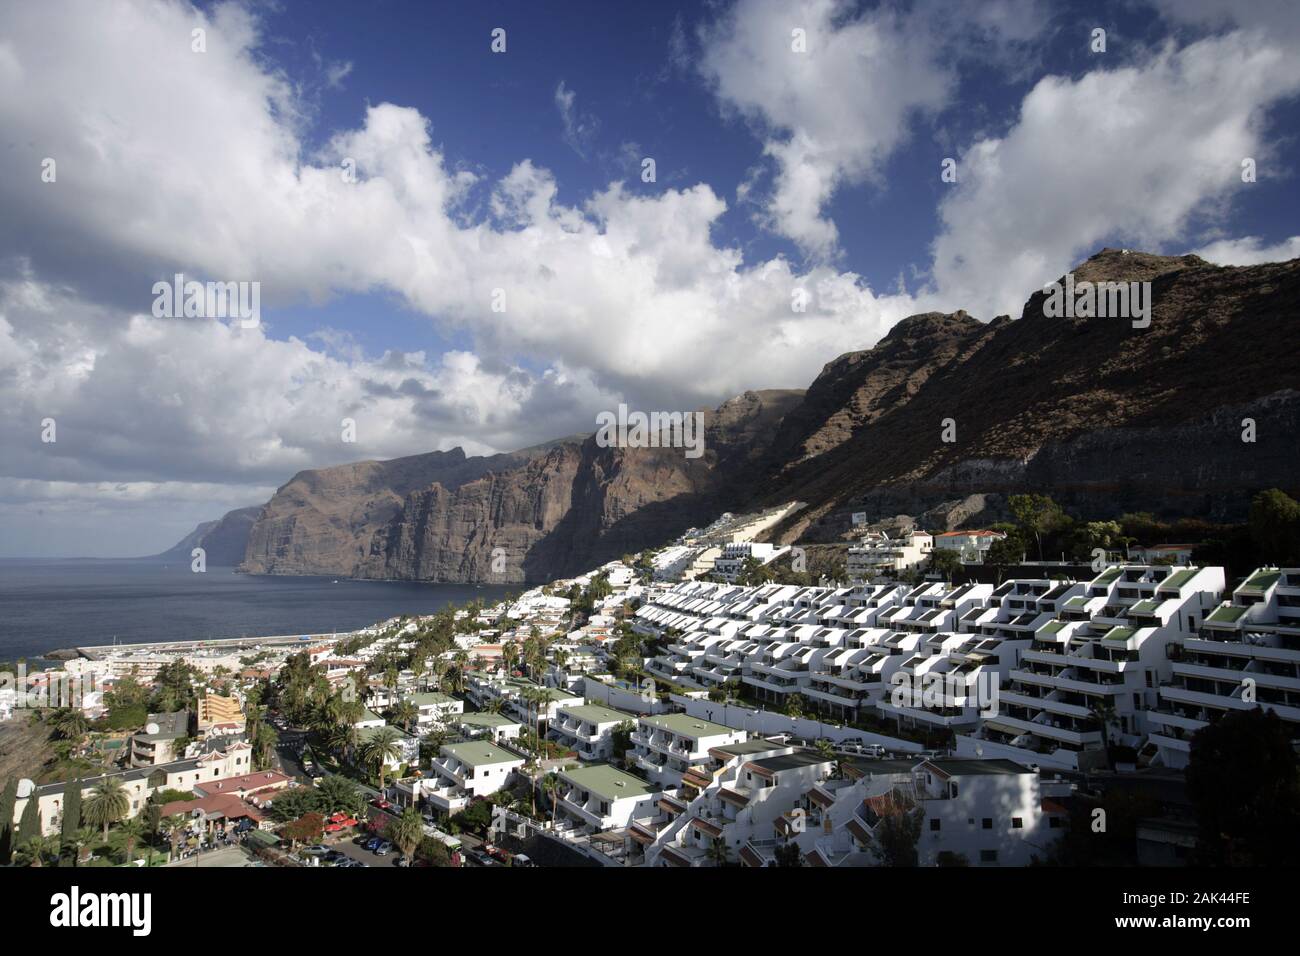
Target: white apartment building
x: 1245, y: 654
x: 435, y: 709
x: 972, y: 546
x: 1098, y: 662
x: 731, y: 560
x: 462, y: 772
x: 494, y: 727
x: 666, y: 746
x: 513, y: 692
x: 599, y: 797
x: 879, y: 553
x: 588, y: 729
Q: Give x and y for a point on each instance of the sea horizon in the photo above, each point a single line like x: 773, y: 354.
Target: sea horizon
x: 53, y: 604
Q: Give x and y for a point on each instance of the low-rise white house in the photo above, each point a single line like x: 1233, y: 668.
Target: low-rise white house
x: 588, y: 729
x: 494, y: 727
x: 601, y: 797
x: 667, y: 745
x: 435, y: 708
x: 880, y: 553
x: 464, y: 771
x: 972, y: 546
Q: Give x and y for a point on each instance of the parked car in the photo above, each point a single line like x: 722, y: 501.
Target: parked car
x: 316, y: 849
x: 373, y: 843
x: 402, y: 862
x: 522, y: 859
x: 379, y: 803
x: 500, y: 854
x: 384, y: 848
x: 479, y: 858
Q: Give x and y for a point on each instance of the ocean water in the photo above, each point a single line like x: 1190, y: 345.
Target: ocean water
x: 46, y: 605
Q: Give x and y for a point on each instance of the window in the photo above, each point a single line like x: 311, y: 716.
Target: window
x: 988, y: 856
x: 987, y: 823
x: 935, y: 823
x: 1017, y: 823
x: 1055, y: 823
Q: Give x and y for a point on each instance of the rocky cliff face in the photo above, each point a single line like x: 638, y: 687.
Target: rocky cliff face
x: 526, y: 516
x: 1103, y: 416
x: 223, y: 541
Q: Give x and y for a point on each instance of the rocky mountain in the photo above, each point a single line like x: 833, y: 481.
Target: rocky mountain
x: 1104, y: 416
x: 223, y: 541
x: 525, y: 516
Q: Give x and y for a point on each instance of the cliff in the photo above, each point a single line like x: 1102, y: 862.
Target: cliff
x: 1104, y: 416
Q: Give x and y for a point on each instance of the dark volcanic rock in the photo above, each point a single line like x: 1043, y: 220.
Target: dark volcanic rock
x: 1104, y: 417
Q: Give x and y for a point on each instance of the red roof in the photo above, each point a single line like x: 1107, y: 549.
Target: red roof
x: 243, y: 784
x: 225, y: 805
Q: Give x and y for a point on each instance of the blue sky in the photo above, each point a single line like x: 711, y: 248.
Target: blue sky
x: 778, y: 170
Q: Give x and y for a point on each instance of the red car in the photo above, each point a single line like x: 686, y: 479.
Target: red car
x: 379, y: 803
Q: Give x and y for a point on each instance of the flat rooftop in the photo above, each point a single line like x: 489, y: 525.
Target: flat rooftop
x: 792, y: 761
x: 476, y: 754
x: 597, y: 714
x: 687, y: 726
x: 608, y: 782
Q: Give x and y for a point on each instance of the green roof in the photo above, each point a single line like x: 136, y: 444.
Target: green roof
x: 1119, y: 635
x: 1178, y: 578
x: 481, y: 754
x: 686, y: 725
x: 1230, y: 614
x: 1146, y: 606
x: 608, y: 782
x: 596, y: 714
x: 1261, y: 581
x: 368, y: 714
x: 484, y: 720
x: 1077, y: 601
x: 1051, y: 627
x: 1110, y: 574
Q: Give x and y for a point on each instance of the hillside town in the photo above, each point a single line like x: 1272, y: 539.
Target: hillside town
x: 676, y: 709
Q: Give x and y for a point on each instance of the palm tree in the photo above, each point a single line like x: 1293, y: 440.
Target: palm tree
x: 342, y: 738
x: 406, y: 713
x: 461, y: 660
x: 551, y: 787
x: 70, y: 724
x: 173, y: 828
x: 33, y: 850
x: 719, y: 853
x: 382, y: 746
x: 265, y: 740
x: 128, y: 834
x: 1103, y: 711
x: 407, y: 831
x: 108, y: 803
x: 81, y: 839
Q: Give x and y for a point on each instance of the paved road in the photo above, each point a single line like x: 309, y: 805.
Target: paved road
x: 226, y: 856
